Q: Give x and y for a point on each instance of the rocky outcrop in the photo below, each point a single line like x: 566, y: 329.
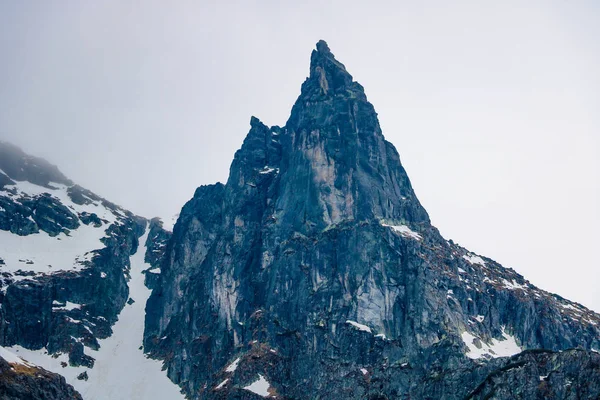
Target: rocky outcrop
x: 156, y: 247
x: 571, y: 374
x: 20, y: 381
x: 314, y: 272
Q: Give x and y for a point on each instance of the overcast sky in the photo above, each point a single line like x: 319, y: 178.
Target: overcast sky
x: 493, y: 106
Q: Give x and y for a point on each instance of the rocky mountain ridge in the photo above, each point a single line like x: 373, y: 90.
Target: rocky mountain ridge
x: 313, y: 272
x: 67, y: 283
x: 315, y: 269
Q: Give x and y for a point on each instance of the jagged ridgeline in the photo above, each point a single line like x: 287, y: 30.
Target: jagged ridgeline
x: 315, y: 273
x: 72, y: 294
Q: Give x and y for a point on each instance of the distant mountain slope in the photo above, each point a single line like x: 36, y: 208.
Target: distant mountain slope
x: 314, y: 272
x: 66, y: 281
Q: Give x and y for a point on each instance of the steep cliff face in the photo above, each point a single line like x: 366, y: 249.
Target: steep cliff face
x: 314, y: 272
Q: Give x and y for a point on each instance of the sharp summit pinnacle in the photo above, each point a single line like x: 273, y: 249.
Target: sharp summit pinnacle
x: 313, y: 273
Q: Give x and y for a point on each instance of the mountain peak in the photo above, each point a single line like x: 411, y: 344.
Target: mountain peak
x: 327, y: 75
x: 322, y: 47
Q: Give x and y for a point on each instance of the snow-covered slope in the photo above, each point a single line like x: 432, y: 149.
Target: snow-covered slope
x: 121, y: 370
x: 72, y: 286
x: 42, y: 253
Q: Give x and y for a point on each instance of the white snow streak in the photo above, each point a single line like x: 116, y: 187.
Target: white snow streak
x: 260, y: 387
x: 513, y: 285
x: 498, y: 348
x: 404, y: 231
x: 358, y: 326
x: 220, y: 385
x: 233, y: 366
x: 68, y: 306
x: 268, y: 170
x: 121, y: 370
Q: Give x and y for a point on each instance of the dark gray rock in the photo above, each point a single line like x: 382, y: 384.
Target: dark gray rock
x: 571, y: 374
x: 5, y: 180
x: 91, y: 218
x: 15, y: 217
x: 24, y: 382
x: 52, y: 216
x: 156, y: 247
x: 294, y: 267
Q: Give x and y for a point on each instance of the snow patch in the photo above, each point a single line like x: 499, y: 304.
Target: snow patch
x: 233, y: 366
x: 364, y: 371
x: 220, y: 385
x: 358, y: 326
x: 480, y: 318
x: 474, y: 259
x: 404, y: 231
x: 259, y: 387
x: 67, y: 306
x: 41, y: 253
x: 121, y: 370
x: 267, y: 170
x: 570, y: 307
x: 498, y: 348
x: 11, y: 358
x: 513, y: 285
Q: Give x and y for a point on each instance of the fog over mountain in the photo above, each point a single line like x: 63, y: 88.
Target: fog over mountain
x: 493, y: 107
x: 313, y: 272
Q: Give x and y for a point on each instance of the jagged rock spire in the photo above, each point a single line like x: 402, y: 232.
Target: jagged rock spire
x: 353, y: 173
x: 327, y: 75
x: 316, y: 260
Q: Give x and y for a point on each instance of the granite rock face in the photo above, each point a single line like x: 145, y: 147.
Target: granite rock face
x: 316, y: 273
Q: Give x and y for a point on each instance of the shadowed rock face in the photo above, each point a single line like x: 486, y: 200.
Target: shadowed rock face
x: 21, y: 381
x: 317, y: 269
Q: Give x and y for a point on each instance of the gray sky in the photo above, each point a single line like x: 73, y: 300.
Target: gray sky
x: 493, y: 106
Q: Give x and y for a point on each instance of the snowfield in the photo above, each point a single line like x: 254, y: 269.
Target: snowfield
x: 121, y: 371
x: 40, y: 253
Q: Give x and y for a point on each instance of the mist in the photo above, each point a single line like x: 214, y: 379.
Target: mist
x: 493, y: 106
